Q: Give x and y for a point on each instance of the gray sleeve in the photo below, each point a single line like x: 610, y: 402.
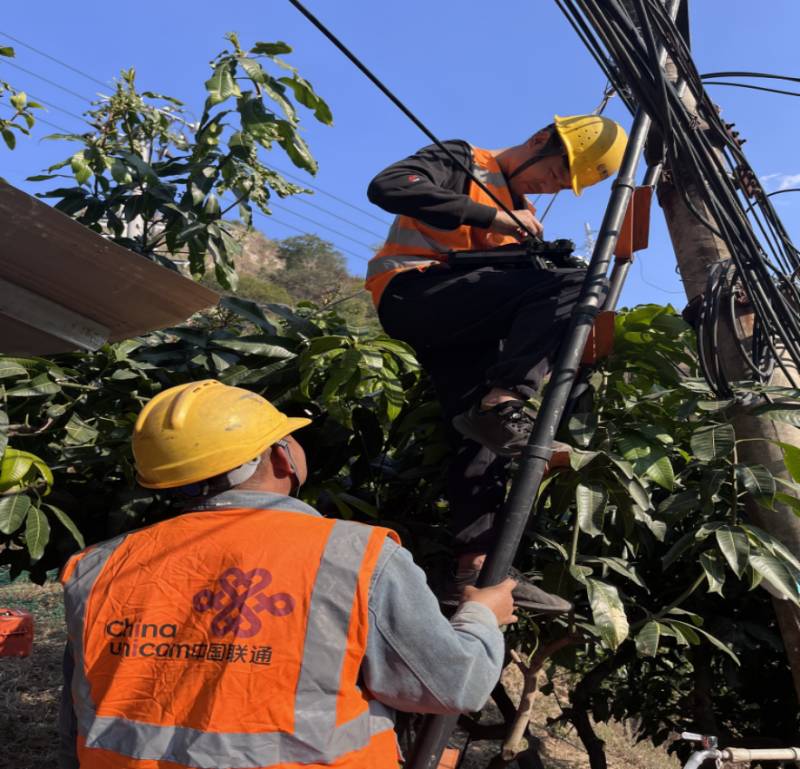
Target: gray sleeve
x: 67, y: 724
x: 417, y: 661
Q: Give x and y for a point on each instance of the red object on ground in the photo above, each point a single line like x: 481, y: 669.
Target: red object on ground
x: 449, y: 759
x: 16, y: 633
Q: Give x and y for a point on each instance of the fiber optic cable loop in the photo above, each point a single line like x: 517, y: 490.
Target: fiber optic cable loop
x: 407, y: 112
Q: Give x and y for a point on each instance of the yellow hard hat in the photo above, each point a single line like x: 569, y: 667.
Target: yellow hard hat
x: 198, y: 430
x: 594, y: 145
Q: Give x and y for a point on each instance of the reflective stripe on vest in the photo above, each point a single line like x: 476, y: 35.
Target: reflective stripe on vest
x: 316, y: 738
x: 411, y: 244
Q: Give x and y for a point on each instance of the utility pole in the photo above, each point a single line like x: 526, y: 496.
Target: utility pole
x: 696, y: 249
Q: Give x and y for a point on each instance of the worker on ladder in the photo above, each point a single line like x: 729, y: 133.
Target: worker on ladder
x: 245, y: 630
x: 488, y: 336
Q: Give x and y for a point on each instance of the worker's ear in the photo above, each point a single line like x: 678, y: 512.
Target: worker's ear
x: 283, y: 464
x: 540, y: 138
x: 281, y: 460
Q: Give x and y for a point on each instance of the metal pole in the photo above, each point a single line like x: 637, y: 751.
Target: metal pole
x: 436, y: 730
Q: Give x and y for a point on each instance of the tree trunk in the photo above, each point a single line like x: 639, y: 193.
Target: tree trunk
x: 696, y: 248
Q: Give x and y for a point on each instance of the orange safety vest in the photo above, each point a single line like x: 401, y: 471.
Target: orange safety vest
x: 412, y: 245
x: 227, y: 638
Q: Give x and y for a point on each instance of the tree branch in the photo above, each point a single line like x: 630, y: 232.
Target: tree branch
x: 513, y: 745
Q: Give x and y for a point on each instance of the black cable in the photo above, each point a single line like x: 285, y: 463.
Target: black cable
x: 50, y: 104
x: 46, y: 80
x: 327, y: 194
x: 753, y: 87
x: 319, y: 224
x: 407, y: 112
x: 38, y: 119
x: 765, y: 264
x: 767, y: 75
x: 306, y: 202
x: 57, y: 61
x: 305, y: 232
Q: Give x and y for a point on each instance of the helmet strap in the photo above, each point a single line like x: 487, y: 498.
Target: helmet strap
x: 553, y: 146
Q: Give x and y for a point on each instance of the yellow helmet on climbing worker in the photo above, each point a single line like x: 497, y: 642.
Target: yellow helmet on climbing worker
x: 594, y: 145
x: 199, y: 430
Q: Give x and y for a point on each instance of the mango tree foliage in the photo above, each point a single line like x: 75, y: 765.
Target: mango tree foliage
x: 18, y: 115
x: 645, y: 531
x: 160, y: 182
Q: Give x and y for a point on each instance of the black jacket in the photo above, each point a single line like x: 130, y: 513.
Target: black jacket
x: 430, y: 187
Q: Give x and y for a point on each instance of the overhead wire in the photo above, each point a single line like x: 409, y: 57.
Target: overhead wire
x: 45, y: 79
x: 99, y: 82
x: 327, y: 194
x: 56, y: 60
x: 410, y: 115
x: 701, y: 146
x: 320, y: 224
x: 752, y: 87
x: 39, y: 119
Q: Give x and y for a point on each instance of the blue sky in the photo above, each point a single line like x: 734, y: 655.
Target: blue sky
x: 490, y: 73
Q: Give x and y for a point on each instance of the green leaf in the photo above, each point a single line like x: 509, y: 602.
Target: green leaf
x: 9, y: 368
x: 735, y: 546
x: 788, y: 500
x: 254, y: 346
x: 68, y: 524
x: 620, y: 566
x: 7, y: 50
x: 756, y: 479
x: 261, y: 125
x: 791, y: 458
x: 37, y: 533
x: 271, y: 49
x: 713, y: 442
x: 591, y: 499
x: 79, y: 433
x: 13, y: 509
x: 776, y: 573
x: 13, y: 468
x: 580, y: 459
x: 9, y: 138
x: 81, y: 169
x: 692, y: 634
x: 221, y: 85
x: 295, y: 147
x: 582, y: 427
x: 120, y: 172
x: 608, y: 612
x: 648, y: 639
x: 305, y: 94
x: 248, y: 310
x: 662, y: 473
x: 715, y: 574
x: 790, y: 416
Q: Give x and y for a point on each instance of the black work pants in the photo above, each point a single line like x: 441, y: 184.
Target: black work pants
x: 471, y: 331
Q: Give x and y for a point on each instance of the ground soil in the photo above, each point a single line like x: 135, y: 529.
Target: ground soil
x: 30, y: 689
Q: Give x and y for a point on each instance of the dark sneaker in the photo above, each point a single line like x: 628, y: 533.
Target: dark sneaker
x: 504, y: 429
x: 526, y: 594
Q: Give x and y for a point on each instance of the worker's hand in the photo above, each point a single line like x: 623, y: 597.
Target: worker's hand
x: 505, y: 225
x: 497, y: 598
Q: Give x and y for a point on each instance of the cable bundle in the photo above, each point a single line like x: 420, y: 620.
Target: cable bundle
x: 623, y: 36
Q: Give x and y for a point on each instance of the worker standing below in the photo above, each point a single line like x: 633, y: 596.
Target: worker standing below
x: 248, y: 631
x: 487, y: 337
